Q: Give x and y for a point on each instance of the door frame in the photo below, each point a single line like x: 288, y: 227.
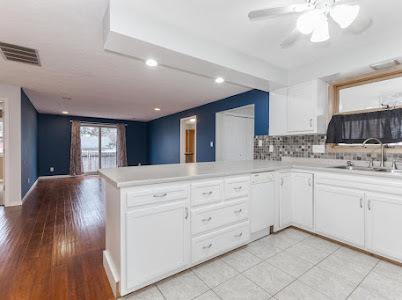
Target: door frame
x: 183, y: 138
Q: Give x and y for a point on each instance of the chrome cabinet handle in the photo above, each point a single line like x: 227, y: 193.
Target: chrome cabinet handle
x: 238, y: 188
x: 238, y: 211
x: 238, y: 235
x: 282, y: 181
x: 207, y: 219
x: 161, y: 195
x: 207, y: 247
x: 207, y: 193
x: 369, y: 205
x: 309, y: 182
x: 361, y: 202
x: 186, y: 213
x: 311, y: 122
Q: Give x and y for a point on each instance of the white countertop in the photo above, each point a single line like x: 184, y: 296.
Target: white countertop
x: 153, y: 174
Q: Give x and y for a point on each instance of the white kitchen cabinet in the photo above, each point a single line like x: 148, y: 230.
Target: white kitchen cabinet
x: 157, y: 242
x: 339, y: 214
x: 299, y: 109
x: 302, y: 200
x: 262, y: 202
x: 285, y: 200
x: 384, y: 225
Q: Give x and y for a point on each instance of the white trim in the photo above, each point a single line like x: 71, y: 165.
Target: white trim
x: 111, y: 273
x: 183, y: 138
x: 30, y: 190
x: 54, y: 177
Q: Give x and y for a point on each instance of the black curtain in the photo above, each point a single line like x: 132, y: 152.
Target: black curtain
x: 355, y: 128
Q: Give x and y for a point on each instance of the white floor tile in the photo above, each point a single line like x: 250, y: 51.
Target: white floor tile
x: 210, y: 295
x: 382, y: 287
x: 295, y: 234
x: 214, y: 272
x: 362, y: 293
x: 330, y: 284
x: 319, y: 243
x: 262, y: 248
x: 241, y: 260
x: 308, y: 253
x: 290, y: 264
x: 183, y: 286
x: 389, y: 270
x: 299, y: 291
x: 240, y: 288
x: 269, y: 277
x: 148, y: 293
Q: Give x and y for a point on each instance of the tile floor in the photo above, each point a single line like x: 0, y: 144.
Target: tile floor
x: 288, y: 265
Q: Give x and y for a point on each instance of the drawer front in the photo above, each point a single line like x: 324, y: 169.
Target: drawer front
x: 213, y: 244
x: 204, y: 220
x: 206, y: 192
x: 262, y: 177
x: 154, y: 194
x: 236, y: 187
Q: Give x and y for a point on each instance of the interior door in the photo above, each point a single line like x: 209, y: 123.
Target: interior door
x: 384, y: 225
x: 339, y: 213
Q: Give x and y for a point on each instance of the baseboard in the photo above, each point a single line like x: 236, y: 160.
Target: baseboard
x: 30, y: 190
x: 111, y: 273
x: 54, y: 177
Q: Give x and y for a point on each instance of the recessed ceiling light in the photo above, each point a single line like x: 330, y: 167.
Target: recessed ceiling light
x: 157, y: 109
x: 219, y: 80
x: 64, y: 112
x: 151, y: 62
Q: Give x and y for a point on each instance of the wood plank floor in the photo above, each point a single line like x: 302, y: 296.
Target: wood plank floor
x: 51, y: 247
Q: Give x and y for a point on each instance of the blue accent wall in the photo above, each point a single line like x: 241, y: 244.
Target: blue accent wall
x: 29, y: 144
x: 164, y: 133
x: 55, y: 138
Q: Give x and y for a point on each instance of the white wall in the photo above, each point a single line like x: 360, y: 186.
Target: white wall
x: 11, y: 95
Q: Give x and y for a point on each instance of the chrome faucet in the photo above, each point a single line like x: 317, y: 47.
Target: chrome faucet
x: 382, y: 148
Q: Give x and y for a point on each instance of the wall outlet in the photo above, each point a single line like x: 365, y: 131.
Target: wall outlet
x: 211, y: 144
x: 271, y: 148
x: 259, y: 143
x: 51, y: 169
x: 318, y: 148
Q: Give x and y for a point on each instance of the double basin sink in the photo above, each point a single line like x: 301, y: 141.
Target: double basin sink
x: 370, y: 169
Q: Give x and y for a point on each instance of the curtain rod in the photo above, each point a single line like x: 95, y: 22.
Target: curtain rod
x: 99, y: 123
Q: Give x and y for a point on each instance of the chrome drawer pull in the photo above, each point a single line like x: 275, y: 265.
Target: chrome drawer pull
x: 207, y: 247
x: 206, y: 220
x: 161, y: 195
x: 238, y: 235
x: 238, y: 211
x: 207, y: 193
x: 238, y: 188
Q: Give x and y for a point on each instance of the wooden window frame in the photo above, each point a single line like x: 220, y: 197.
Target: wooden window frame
x: 334, y: 90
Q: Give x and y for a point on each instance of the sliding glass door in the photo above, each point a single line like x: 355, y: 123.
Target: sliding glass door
x: 98, y: 147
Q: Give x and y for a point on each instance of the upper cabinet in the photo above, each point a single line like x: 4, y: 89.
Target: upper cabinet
x: 299, y: 109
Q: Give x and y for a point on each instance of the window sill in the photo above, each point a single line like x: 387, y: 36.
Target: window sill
x: 335, y: 148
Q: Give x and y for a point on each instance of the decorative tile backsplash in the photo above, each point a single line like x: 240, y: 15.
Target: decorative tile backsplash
x: 301, y: 146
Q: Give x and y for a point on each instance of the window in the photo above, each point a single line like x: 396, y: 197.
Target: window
x: 98, y: 147
x: 365, y: 106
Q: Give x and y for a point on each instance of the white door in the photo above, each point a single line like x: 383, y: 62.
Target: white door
x: 262, y: 203
x: 301, y: 107
x: 157, y: 242
x: 236, y: 138
x: 302, y: 200
x: 384, y: 225
x: 339, y: 213
x: 285, y: 200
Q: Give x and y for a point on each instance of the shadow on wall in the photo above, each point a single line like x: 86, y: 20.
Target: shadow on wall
x: 164, y: 133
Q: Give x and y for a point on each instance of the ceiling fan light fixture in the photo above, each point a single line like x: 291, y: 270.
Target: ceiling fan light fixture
x: 344, y: 14
x: 321, y: 32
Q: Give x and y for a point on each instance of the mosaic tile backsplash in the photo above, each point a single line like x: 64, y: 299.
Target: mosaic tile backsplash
x: 301, y: 146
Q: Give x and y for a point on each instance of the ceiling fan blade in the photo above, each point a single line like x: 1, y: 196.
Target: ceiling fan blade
x: 275, y: 12
x: 360, y: 25
x: 291, y: 39
x: 346, y: 1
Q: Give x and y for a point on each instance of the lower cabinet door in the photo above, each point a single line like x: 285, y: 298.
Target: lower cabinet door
x: 384, y: 225
x: 339, y: 213
x: 302, y: 200
x: 157, y: 242
x: 285, y: 200
x: 262, y: 206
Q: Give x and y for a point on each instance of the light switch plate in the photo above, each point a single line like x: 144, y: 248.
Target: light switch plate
x: 52, y: 169
x: 259, y: 143
x: 271, y: 148
x: 318, y: 148
x: 211, y: 144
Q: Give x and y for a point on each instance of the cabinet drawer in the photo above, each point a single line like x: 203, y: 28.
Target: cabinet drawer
x: 216, y: 216
x: 206, y: 192
x: 218, y: 242
x: 154, y: 194
x: 236, y: 187
x: 262, y: 177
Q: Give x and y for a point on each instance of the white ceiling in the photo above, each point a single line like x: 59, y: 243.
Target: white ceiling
x: 213, y: 37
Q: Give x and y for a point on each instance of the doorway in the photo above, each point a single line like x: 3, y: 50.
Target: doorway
x: 98, y: 147
x: 188, y: 140
x: 235, y: 134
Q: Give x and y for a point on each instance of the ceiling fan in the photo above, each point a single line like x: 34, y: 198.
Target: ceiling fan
x: 314, y: 17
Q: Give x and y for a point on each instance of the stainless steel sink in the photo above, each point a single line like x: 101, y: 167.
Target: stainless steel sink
x: 360, y: 168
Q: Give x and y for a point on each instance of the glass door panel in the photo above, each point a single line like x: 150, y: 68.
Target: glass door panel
x: 90, y: 145
x: 108, y: 147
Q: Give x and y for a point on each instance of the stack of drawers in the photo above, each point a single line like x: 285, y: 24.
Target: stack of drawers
x: 219, y: 216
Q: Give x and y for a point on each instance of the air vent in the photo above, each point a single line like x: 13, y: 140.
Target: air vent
x: 19, y: 54
x: 385, y: 65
